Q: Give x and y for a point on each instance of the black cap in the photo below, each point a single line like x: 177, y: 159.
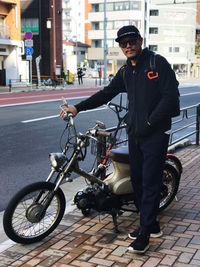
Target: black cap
x: 126, y: 31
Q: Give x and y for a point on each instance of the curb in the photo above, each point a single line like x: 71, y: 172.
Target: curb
x: 183, y: 143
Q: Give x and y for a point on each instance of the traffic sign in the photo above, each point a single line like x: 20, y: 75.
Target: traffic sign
x: 29, y: 51
x: 28, y: 42
x: 28, y: 57
x: 28, y: 35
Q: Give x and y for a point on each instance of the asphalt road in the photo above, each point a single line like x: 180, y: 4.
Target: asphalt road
x: 30, y: 132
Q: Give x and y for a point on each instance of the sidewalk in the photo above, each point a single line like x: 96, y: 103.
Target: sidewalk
x: 87, y: 83
x: 91, y: 242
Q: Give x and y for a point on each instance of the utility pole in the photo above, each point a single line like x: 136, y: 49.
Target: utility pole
x: 54, y: 39
x: 105, y: 45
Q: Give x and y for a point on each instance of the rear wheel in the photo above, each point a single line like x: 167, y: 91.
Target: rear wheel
x: 23, y: 221
x: 170, y: 186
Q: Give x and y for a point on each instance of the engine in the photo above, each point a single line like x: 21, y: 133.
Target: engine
x: 98, y: 198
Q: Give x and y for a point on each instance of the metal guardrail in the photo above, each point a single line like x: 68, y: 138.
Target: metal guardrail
x: 17, y: 83
x: 188, y: 120
x: 184, y: 116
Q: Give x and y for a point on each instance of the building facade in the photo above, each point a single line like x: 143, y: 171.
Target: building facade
x: 44, y: 19
x: 11, y: 47
x: 168, y: 29
x: 172, y: 32
x: 73, y: 18
x: 118, y: 13
x: 74, y: 54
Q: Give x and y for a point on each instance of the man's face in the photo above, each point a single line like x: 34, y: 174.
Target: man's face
x: 131, y: 46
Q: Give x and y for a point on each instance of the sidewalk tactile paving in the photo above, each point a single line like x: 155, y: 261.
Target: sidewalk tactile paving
x: 92, y: 242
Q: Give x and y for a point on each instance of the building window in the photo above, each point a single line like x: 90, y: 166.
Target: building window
x: 95, y: 8
x: 153, y: 30
x: 154, y: 12
x: 135, y: 5
x: 97, y: 43
x: 153, y: 48
x: 110, y: 6
x: 174, y: 49
x: 95, y: 25
x: 119, y: 6
x: 110, y: 43
x: 82, y: 52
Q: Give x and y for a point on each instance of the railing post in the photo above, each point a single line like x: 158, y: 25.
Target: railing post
x: 197, y: 124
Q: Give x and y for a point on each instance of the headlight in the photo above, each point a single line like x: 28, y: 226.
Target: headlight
x: 57, y: 159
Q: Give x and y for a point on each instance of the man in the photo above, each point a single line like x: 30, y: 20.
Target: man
x: 153, y: 100
x: 80, y: 75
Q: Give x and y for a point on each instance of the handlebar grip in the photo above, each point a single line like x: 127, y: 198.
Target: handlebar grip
x: 106, y: 134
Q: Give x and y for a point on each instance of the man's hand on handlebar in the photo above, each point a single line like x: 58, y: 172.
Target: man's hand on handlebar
x: 69, y: 109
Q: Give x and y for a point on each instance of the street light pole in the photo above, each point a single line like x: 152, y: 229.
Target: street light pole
x: 54, y: 39
x: 105, y: 45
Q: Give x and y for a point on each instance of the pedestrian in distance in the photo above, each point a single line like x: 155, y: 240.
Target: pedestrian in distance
x: 153, y: 99
x: 80, y: 75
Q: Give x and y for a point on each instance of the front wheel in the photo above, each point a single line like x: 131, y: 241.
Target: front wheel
x: 21, y: 220
x: 170, y: 184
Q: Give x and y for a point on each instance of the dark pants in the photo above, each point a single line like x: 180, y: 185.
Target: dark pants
x: 146, y: 169
x: 80, y: 80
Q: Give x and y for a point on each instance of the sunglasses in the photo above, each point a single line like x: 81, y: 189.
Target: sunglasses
x: 123, y: 44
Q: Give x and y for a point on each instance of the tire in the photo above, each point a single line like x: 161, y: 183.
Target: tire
x: 170, y: 185
x: 20, y: 222
x: 175, y: 162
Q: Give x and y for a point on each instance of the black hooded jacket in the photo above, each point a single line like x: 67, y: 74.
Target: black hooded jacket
x: 153, y: 95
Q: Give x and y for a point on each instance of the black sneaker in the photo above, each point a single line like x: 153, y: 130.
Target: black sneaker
x: 140, y: 244
x: 155, y: 232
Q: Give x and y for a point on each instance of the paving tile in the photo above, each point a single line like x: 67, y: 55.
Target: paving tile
x: 118, y: 259
x: 103, y: 253
x: 151, y: 262
x: 119, y: 251
x: 135, y: 263
x: 197, y: 255
x: 101, y: 261
x: 195, y: 240
x: 168, y: 260
x: 185, y: 257
x: 90, y: 242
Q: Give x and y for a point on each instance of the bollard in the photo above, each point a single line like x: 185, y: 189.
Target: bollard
x: 10, y: 85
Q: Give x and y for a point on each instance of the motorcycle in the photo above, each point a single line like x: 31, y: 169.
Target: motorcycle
x: 37, y: 209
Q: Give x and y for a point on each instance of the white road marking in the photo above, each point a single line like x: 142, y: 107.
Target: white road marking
x: 54, y: 116
x: 195, y: 93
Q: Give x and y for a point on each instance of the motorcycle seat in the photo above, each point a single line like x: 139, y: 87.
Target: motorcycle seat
x: 120, y: 154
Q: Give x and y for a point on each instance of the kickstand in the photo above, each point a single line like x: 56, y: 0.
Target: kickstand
x: 114, y: 217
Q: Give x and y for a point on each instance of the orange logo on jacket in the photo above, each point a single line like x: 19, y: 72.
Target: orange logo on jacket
x: 152, y: 75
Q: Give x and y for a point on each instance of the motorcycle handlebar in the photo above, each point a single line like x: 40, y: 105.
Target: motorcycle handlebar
x: 95, y: 132
x: 106, y: 134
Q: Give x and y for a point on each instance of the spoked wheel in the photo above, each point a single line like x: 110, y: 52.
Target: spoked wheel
x: 175, y: 162
x: 24, y: 222
x: 170, y: 186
